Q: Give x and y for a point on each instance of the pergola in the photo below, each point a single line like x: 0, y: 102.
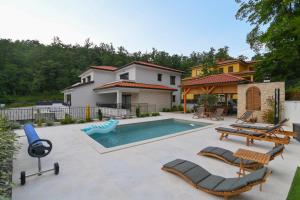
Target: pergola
x: 212, y: 84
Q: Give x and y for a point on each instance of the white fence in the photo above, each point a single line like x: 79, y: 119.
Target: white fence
x: 292, y: 111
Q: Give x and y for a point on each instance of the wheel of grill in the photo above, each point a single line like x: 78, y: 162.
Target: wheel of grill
x: 23, y: 177
x: 56, y: 168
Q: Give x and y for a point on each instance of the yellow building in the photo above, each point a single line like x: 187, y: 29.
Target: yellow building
x: 244, y: 69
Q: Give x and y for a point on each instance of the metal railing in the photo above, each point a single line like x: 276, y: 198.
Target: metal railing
x: 53, y: 113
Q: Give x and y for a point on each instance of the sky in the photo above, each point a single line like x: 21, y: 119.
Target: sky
x: 174, y: 26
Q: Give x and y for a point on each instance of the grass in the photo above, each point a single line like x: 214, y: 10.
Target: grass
x: 294, y: 193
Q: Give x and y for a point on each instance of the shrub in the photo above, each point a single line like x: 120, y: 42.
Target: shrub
x: 14, y: 125
x: 8, y: 147
x: 67, y: 120
x: 166, y: 109
x: 138, y: 111
x: 100, y: 116
x: 39, y: 122
x: 174, y: 108
x: 144, y: 115
x: 49, y: 123
x: 81, y: 121
x: 155, y: 114
x: 269, y: 114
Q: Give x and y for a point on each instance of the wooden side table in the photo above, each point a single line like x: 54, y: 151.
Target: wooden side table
x: 255, y: 156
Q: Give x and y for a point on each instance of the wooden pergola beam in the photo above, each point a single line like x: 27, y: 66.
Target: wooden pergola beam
x: 185, y: 92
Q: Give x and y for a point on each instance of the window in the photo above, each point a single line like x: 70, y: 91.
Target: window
x: 230, y: 69
x: 69, y: 99
x: 83, y: 80
x: 172, y: 80
x: 124, y: 76
x: 159, y: 77
x: 173, y: 98
x: 221, y: 70
x: 88, y: 79
x: 253, y: 99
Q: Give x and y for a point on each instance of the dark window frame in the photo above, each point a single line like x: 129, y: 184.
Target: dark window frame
x: 124, y: 76
x: 89, y: 78
x: 172, y: 80
x: 159, y: 77
x: 231, y: 69
x: 173, y: 98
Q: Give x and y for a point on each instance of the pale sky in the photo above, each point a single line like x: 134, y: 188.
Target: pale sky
x: 175, y: 26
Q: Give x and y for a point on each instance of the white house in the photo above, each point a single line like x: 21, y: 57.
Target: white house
x: 135, y: 83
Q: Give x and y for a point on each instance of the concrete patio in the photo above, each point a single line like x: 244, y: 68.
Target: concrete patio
x: 134, y: 173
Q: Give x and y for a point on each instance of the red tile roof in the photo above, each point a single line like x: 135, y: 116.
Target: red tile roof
x: 129, y: 84
x: 215, y: 79
x: 107, y: 68
x: 153, y: 66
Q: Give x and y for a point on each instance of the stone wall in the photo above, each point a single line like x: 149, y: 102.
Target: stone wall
x: 267, y: 90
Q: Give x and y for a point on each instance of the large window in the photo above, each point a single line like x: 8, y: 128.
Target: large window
x: 253, y: 99
x: 172, y: 80
x: 124, y: 76
x: 159, y: 76
x: 230, y: 69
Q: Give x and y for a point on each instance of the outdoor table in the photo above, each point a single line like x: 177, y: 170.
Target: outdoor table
x: 255, y: 156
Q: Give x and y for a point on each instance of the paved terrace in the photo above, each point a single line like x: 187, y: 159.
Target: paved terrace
x: 134, y: 173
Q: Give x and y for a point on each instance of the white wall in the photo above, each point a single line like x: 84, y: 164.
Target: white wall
x: 149, y: 75
x: 130, y: 70
x: 292, y: 111
x: 162, y: 99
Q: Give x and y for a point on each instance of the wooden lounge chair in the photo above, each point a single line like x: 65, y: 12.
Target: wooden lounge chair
x: 228, y: 157
x: 245, y: 117
x: 218, y: 114
x: 262, y: 129
x: 269, y: 136
x: 199, y: 112
x: 203, y: 180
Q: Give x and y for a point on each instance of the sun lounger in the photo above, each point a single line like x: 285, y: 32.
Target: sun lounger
x: 277, y: 128
x: 199, y: 112
x: 218, y: 114
x: 228, y: 157
x: 271, y: 135
x: 245, y: 117
x: 203, y: 180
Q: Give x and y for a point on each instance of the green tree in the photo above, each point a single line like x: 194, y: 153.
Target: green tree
x: 276, y: 29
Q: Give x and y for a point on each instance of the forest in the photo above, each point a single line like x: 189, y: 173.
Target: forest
x: 31, y: 71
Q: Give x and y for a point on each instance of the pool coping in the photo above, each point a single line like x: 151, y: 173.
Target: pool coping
x: 103, y: 150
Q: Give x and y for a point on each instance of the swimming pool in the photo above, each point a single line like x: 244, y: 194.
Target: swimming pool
x: 129, y: 133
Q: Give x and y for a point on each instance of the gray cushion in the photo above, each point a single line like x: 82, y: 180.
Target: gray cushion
x: 197, y: 174
x: 240, y: 125
x: 245, y: 162
x: 208, y: 149
x: 229, y: 156
x: 255, y: 176
x: 174, y: 163
x: 231, y: 130
x: 230, y: 184
x: 275, y: 150
x: 219, y: 151
x: 251, y: 133
x: 263, y: 128
x: 185, y: 166
x: 211, y: 182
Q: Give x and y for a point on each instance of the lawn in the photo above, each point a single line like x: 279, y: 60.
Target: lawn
x: 294, y: 192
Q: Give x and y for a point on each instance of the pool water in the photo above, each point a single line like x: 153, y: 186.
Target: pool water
x: 125, y: 134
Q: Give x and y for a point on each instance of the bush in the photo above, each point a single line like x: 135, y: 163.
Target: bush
x: 166, y: 109
x: 14, y: 125
x: 81, y: 121
x: 100, y: 116
x: 39, y: 122
x: 145, y: 115
x: 155, y: 114
x: 8, y: 147
x: 67, y: 120
x: 174, y: 108
x: 49, y: 123
x: 269, y: 114
x: 138, y: 111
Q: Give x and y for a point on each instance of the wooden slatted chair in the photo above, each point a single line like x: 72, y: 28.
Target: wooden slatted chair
x: 245, y: 117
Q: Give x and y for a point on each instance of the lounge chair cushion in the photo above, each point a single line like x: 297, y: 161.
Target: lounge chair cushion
x: 250, y: 133
x: 229, y: 156
x: 256, y: 176
x: 231, y: 130
x: 245, y: 162
x: 197, y: 174
x: 241, y: 125
x: 174, y: 163
x: 230, y: 184
x: 219, y: 151
x: 211, y: 182
x: 275, y: 150
x: 185, y: 166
